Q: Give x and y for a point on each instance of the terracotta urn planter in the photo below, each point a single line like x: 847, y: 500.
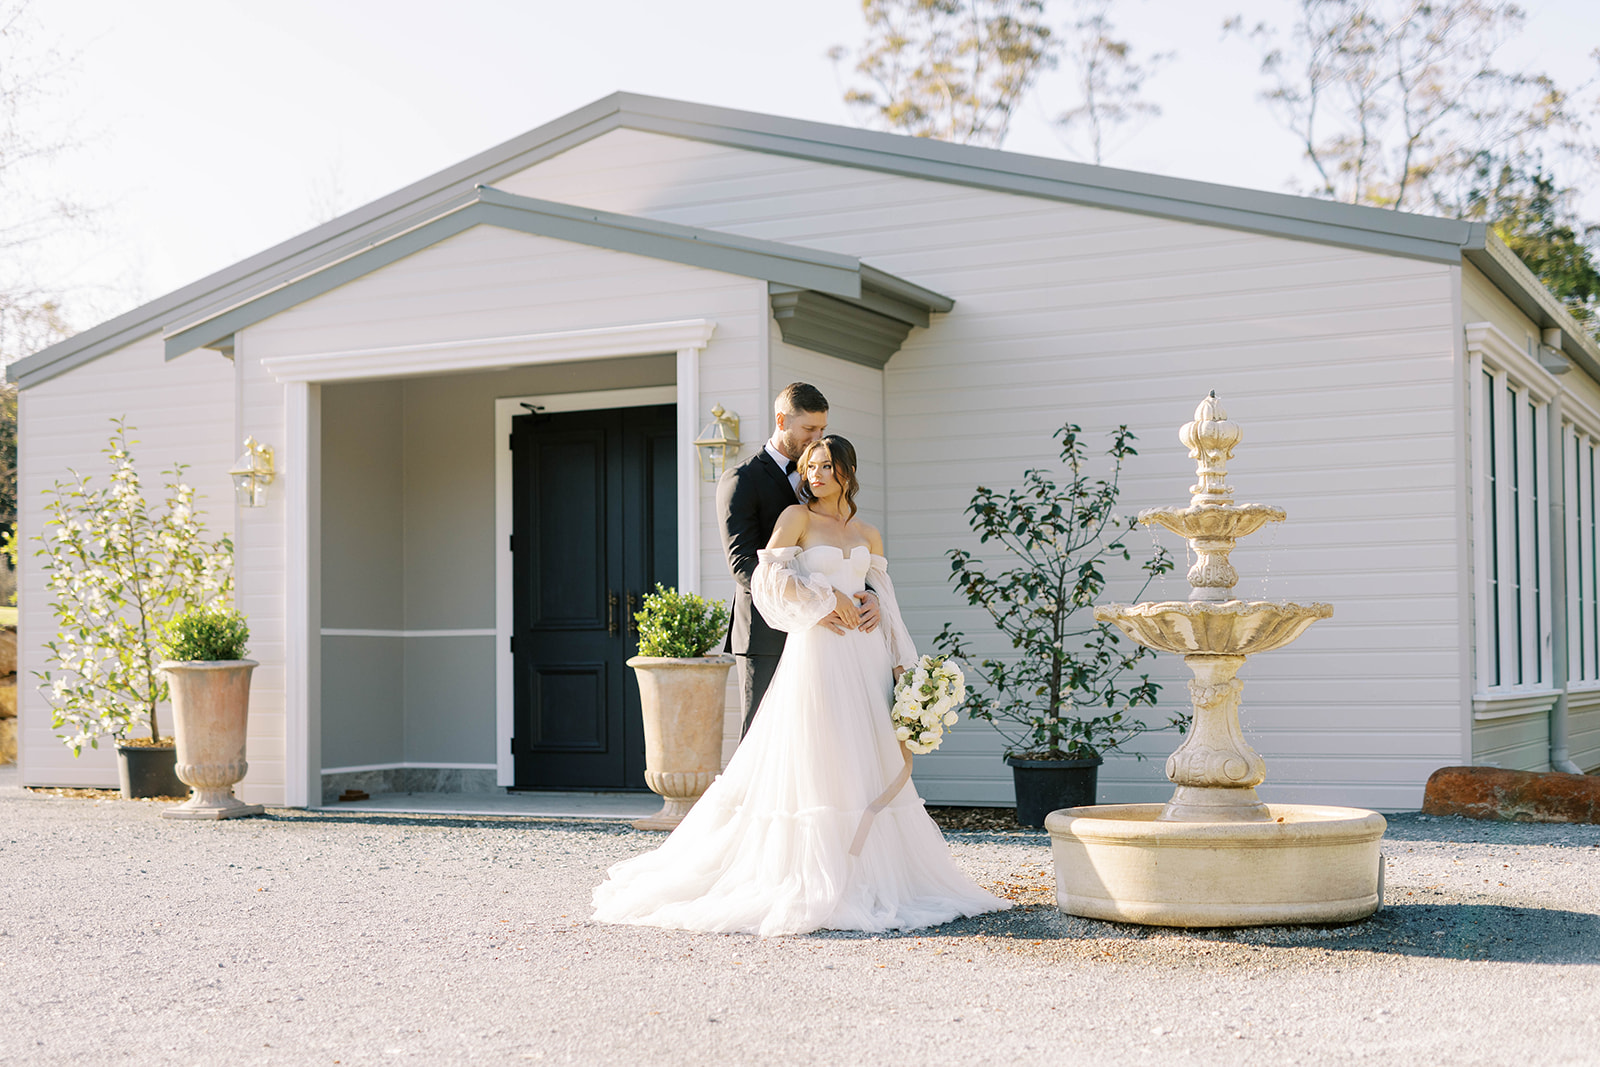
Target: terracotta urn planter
x: 210, y: 706
x: 683, y: 701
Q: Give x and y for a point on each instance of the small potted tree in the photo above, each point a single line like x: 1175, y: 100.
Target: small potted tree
x: 681, y: 693
x: 1067, y: 696
x: 117, y: 570
x: 210, y: 683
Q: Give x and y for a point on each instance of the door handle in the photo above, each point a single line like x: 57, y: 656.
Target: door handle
x: 633, y: 612
x: 611, y: 612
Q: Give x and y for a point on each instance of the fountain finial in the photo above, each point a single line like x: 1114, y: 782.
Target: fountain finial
x: 1211, y: 439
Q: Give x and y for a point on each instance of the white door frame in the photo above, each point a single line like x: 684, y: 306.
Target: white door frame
x: 302, y: 376
x: 505, y: 409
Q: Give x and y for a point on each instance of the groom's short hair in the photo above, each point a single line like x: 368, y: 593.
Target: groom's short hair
x: 797, y: 397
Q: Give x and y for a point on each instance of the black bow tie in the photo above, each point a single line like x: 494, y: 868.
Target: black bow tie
x: 790, y: 469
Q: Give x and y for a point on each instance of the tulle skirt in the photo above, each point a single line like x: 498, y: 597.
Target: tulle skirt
x: 766, y: 849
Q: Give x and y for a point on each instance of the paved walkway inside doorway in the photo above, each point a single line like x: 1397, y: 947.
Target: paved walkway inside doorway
x: 591, y: 807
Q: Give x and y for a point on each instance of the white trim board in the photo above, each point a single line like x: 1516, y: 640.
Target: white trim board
x: 493, y: 353
x: 686, y: 395
x: 410, y: 766
x: 331, y: 632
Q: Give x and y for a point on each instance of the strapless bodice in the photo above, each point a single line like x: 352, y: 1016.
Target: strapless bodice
x: 846, y: 572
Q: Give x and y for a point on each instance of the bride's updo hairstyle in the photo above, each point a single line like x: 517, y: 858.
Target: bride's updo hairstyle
x: 843, y: 454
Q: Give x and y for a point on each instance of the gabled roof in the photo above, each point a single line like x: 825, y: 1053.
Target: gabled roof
x: 421, y: 203
x: 873, y: 294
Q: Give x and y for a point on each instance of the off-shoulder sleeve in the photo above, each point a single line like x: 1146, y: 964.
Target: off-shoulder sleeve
x: 787, y: 599
x: 901, y: 647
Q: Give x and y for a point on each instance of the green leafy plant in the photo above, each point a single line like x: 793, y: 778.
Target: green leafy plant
x: 117, y: 571
x: 10, y: 549
x: 207, y: 634
x: 679, y: 625
x: 1069, y: 692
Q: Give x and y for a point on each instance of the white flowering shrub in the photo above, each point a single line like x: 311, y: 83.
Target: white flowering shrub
x: 117, y: 571
x: 925, y: 701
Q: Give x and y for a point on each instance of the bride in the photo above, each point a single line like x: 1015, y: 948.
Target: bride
x: 768, y: 849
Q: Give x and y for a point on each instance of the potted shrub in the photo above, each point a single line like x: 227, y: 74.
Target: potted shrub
x: 681, y: 693
x: 117, y: 570
x: 1068, y: 694
x: 210, y: 683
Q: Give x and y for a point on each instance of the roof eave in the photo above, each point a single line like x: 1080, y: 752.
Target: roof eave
x: 1497, y: 262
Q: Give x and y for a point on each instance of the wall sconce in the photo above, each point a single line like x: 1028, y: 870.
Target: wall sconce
x: 251, y: 474
x: 717, y: 443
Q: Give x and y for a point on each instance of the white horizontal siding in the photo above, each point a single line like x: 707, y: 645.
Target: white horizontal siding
x: 181, y: 412
x: 1339, y: 364
x: 1583, y: 738
x: 1518, y: 743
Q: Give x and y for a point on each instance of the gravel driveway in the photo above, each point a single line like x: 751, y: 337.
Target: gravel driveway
x: 325, y: 938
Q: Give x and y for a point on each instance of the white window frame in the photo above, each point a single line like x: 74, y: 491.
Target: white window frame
x: 1511, y: 536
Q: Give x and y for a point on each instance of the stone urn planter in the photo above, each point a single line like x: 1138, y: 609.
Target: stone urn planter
x: 210, y: 707
x: 682, y: 701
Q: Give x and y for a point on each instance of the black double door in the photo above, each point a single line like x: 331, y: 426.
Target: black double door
x: 595, y: 527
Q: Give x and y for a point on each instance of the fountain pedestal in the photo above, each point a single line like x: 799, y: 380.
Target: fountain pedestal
x: 1215, y: 855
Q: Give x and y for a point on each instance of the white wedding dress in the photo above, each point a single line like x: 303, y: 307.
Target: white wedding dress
x: 766, y: 850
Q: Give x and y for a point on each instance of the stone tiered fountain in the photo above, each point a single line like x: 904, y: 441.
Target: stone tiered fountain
x: 1215, y: 855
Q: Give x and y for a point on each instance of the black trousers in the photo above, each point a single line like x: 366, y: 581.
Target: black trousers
x: 755, y: 674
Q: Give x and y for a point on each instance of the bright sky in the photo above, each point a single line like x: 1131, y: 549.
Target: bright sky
x: 215, y: 128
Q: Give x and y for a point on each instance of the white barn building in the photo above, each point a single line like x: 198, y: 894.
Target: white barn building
x: 1422, y: 407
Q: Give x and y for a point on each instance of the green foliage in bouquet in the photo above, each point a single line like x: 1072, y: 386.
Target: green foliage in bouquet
x: 207, y: 635
x: 679, y: 625
x: 1069, y: 692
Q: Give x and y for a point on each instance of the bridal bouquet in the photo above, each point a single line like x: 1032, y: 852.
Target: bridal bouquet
x: 925, y: 700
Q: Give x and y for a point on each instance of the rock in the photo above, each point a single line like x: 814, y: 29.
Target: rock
x: 8, y: 697
x: 8, y: 650
x: 1519, y: 796
x: 8, y: 740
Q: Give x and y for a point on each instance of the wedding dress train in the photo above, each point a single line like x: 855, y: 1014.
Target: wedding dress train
x: 766, y: 849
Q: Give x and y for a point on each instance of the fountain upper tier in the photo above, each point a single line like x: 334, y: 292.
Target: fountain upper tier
x: 1212, y: 522
x: 1231, y: 628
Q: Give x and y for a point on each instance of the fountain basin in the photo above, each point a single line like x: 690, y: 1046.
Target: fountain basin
x: 1228, y: 628
x: 1309, y: 864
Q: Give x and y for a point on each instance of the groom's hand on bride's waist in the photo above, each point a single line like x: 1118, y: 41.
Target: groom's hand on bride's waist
x: 869, y: 611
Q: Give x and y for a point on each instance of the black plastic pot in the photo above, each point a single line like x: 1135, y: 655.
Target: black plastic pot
x: 149, y: 772
x: 1045, y: 785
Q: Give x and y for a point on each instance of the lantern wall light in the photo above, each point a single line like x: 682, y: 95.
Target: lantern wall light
x: 251, y: 474
x: 717, y: 444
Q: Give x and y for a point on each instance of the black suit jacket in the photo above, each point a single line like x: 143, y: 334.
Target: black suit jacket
x: 750, y: 497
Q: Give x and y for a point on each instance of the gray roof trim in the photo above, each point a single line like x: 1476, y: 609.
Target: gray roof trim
x: 1512, y: 277
x: 1373, y: 229
x: 804, y: 268
x: 843, y: 328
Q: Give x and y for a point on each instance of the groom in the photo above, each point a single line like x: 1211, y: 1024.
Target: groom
x: 750, y: 497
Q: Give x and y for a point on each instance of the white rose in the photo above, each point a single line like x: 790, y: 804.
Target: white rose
x: 928, y: 737
x: 951, y: 718
x: 903, y: 733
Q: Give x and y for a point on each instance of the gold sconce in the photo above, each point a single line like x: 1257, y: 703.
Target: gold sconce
x: 717, y: 443
x: 251, y: 474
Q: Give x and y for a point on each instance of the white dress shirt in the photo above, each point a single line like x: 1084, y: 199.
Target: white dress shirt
x: 783, y: 465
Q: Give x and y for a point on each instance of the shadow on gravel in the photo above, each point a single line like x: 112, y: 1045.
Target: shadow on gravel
x: 446, y: 822
x: 1458, y: 830
x: 1489, y: 932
